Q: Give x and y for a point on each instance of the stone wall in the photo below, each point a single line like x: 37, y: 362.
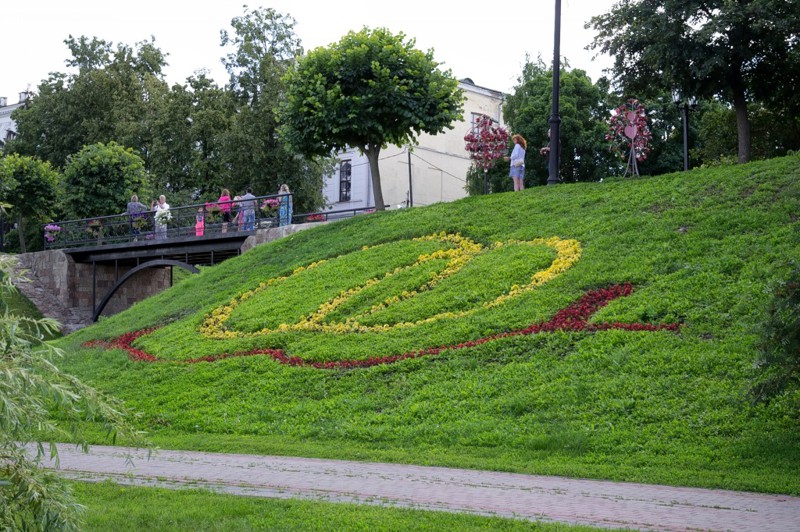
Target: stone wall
x: 262, y: 236
x: 71, y: 283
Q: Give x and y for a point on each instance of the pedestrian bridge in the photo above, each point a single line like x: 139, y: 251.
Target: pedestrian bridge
x: 91, y: 263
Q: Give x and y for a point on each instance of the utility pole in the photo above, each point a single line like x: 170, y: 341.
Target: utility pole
x: 555, y: 120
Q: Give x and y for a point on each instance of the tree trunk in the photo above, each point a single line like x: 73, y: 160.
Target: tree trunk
x: 742, y: 124
x: 372, y: 153
x: 21, y: 232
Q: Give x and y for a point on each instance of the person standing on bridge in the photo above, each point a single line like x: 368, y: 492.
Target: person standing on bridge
x: 285, y: 209
x: 137, y: 216
x: 224, y: 203
x: 162, y: 216
x: 247, y: 207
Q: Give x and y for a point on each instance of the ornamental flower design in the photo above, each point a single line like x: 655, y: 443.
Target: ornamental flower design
x: 629, y: 132
x: 486, y: 143
x: 462, y: 252
x: 573, y: 318
x: 409, y: 301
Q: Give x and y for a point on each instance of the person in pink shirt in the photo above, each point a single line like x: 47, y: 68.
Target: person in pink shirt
x: 224, y: 203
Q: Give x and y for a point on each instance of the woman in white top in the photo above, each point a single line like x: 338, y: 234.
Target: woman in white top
x: 161, y: 219
x: 517, y: 172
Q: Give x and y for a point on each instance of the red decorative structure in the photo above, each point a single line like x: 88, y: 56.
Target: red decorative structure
x: 630, y: 134
x: 486, y: 143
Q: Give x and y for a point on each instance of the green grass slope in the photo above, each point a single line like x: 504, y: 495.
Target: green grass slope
x: 600, y: 330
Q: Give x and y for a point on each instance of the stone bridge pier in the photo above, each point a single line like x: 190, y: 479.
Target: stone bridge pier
x: 68, y: 291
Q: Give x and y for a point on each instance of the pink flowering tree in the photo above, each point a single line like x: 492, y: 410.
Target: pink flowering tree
x: 486, y: 143
x: 629, y: 134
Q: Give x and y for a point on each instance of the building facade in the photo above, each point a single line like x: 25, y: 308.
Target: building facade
x: 8, y: 128
x: 435, y: 170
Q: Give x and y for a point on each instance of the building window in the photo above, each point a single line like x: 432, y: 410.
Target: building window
x: 345, y: 178
x: 474, y: 121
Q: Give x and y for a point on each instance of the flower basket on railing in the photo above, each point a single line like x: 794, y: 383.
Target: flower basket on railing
x: 269, y: 206
x: 140, y: 221
x: 213, y: 213
x: 94, y: 228
x: 163, y: 217
x: 51, y: 232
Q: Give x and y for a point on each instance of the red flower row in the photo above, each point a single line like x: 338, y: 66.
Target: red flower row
x: 572, y: 318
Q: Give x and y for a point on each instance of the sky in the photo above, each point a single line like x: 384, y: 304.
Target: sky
x: 476, y: 39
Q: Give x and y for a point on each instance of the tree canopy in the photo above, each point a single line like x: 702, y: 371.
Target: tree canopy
x: 107, y: 99
x: 367, y: 91
x: 739, y: 52
x: 265, y: 48
x: 100, y: 178
x: 30, y: 187
x: 194, y: 138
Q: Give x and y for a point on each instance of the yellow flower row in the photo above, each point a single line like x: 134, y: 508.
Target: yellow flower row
x: 567, y: 254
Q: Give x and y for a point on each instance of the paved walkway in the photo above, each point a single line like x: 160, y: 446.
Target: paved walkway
x: 552, y: 499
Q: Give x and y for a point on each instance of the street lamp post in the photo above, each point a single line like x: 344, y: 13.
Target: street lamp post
x: 555, y: 120
x: 685, y: 107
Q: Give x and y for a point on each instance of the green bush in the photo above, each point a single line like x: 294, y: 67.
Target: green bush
x: 780, y: 341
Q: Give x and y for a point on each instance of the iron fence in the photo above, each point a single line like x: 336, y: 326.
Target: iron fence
x: 198, y: 220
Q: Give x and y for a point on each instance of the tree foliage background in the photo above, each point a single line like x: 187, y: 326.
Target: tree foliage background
x: 584, y: 110
x: 740, y: 59
x: 738, y: 53
x: 194, y: 138
x: 30, y: 189
x: 99, y: 176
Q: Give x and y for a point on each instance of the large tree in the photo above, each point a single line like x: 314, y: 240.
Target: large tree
x: 106, y: 98
x: 30, y: 188
x: 100, y: 179
x: 264, y: 48
x: 736, y: 51
x: 367, y: 91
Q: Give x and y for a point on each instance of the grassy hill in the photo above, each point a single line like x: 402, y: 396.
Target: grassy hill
x: 601, y: 330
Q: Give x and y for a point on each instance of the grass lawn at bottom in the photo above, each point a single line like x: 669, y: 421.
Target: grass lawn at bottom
x: 702, y: 249
x: 111, y: 506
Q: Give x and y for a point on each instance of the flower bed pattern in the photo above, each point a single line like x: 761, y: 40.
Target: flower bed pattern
x: 573, y: 318
x: 463, y: 250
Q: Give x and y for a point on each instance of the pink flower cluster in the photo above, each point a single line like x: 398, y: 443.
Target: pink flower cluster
x: 572, y: 318
x: 486, y: 142
x: 270, y: 203
x: 628, y: 130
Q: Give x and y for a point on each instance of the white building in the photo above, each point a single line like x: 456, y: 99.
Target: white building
x: 438, y: 164
x: 8, y: 128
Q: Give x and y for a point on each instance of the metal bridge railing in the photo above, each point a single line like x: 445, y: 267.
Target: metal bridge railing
x: 198, y: 220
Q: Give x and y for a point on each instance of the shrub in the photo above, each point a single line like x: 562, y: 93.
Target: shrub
x: 779, y: 347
